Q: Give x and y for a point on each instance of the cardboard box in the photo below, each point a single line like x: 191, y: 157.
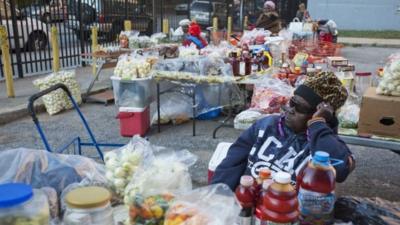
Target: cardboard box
x: 379, y: 115
x: 337, y: 61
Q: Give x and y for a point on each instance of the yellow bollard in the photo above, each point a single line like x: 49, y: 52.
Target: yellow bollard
x: 215, y: 24
x: 127, y: 25
x: 165, y: 27
x: 95, y: 47
x: 7, y: 70
x: 229, y: 29
x: 56, y: 49
x: 245, y: 22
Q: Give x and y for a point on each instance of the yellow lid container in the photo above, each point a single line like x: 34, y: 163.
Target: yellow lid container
x: 88, y: 197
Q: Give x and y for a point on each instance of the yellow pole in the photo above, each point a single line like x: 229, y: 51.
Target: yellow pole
x: 95, y: 47
x: 215, y: 24
x: 127, y: 25
x: 7, y: 70
x: 165, y: 26
x: 245, y: 22
x: 229, y: 28
x: 56, y: 49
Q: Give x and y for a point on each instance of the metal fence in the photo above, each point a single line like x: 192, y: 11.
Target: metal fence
x: 30, y: 23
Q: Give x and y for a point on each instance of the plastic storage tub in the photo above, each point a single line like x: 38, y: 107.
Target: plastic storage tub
x: 133, y: 93
x: 134, y: 121
x: 88, y: 206
x: 20, y: 204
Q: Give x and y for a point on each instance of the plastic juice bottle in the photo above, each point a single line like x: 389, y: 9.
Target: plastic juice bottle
x: 263, y: 175
x: 245, y: 194
x: 316, y: 185
x: 259, y: 215
x: 279, y: 203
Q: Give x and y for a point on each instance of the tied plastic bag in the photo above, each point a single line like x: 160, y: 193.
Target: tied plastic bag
x: 270, y: 95
x: 254, y: 37
x: 58, y: 100
x: 390, y: 83
x: 245, y: 119
x: 122, y: 163
x: 155, y: 184
x: 211, y: 205
x: 45, y: 169
x: 175, y: 107
x: 349, y: 114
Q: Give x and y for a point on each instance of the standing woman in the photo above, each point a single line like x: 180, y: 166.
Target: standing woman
x: 269, y: 19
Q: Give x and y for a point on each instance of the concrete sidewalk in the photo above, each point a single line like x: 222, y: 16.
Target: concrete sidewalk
x: 370, y: 42
x: 15, y: 108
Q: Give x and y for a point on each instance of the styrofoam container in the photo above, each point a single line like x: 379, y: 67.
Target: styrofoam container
x: 136, y: 93
x: 219, y: 154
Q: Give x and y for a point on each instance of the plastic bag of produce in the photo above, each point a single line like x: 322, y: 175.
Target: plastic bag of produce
x: 45, y: 169
x: 155, y: 184
x: 270, y: 95
x: 174, y: 107
x: 245, y: 119
x: 122, y: 163
x: 211, y: 205
x: 188, y: 51
x: 158, y: 38
x: 58, y: 100
x: 131, y: 67
x: 349, y: 114
x: 390, y: 83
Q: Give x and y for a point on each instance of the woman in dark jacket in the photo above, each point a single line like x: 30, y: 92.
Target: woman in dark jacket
x: 286, y: 142
x: 269, y: 19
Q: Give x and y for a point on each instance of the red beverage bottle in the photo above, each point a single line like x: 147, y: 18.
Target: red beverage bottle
x: 235, y: 64
x: 263, y: 174
x: 316, y: 191
x: 246, y: 196
x: 279, y: 204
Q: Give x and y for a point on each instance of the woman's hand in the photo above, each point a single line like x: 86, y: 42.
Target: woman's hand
x: 325, y: 111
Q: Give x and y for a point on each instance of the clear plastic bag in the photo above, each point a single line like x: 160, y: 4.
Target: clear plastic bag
x: 58, y: 100
x: 45, y: 169
x: 158, y: 38
x: 245, y: 119
x: 270, y: 95
x: 174, y: 107
x: 211, y: 205
x: 254, y: 37
x: 155, y: 184
x: 390, y: 83
x: 349, y: 114
x: 188, y: 51
x: 122, y: 163
x: 132, y: 66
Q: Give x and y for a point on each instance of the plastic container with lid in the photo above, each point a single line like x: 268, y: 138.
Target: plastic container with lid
x: 21, y: 205
x: 89, y: 206
x: 362, y: 82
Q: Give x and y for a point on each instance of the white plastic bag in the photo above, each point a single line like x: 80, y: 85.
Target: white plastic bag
x: 245, y: 119
x: 211, y: 205
x: 296, y: 26
x: 390, y: 83
x: 58, y: 100
x: 349, y: 115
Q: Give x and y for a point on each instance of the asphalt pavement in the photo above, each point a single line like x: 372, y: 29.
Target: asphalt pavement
x: 377, y: 170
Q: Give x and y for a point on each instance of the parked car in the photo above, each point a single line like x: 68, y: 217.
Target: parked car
x: 32, y: 33
x: 55, y: 11
x: 181, y: 9
x: 109, y: 16
x: 203, y: 12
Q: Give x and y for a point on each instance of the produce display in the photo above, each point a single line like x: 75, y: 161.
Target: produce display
x: 131, y: 67
x: 40, y: 219
x: 191, y: 78
x: 58, y: 100
x: 154, y: 185
x: 390, y: 83
x: 349, y: 115
x: 122, y: 163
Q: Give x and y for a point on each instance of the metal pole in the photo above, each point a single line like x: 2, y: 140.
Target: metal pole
x: 56, y: 49
x: 154, y: 16
x: 188, y: 8
x: 241, y: 14
x: 5, y: 56
x: 158, y: 108
x: 81, y: 29
x: 16, y: 38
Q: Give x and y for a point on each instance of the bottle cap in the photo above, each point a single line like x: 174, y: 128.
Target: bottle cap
x: 246, y: 181
x: 88, y: 197
x: 321, y: 157
x: 264, y: 173
x: 12, y: 194
x: 282, y: 178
